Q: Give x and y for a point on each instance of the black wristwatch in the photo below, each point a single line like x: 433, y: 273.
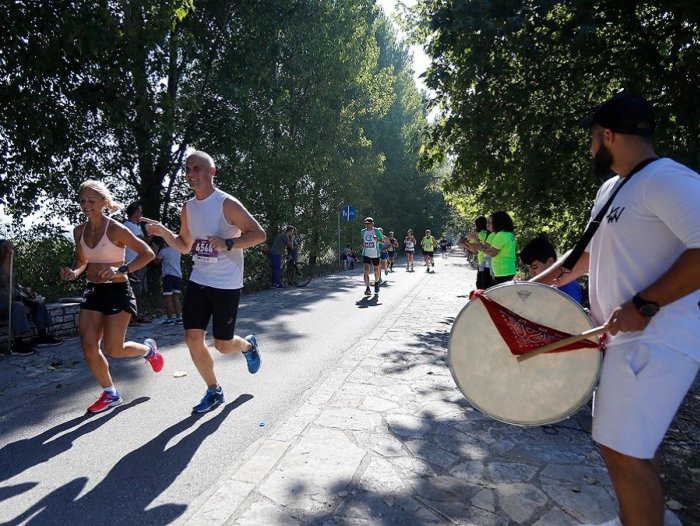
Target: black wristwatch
x: 124, y: 269
x: 229, y: 244
x: 646, y: 308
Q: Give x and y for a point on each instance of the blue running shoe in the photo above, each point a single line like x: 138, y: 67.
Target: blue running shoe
x: 252, y: 356
x: 211, y: 399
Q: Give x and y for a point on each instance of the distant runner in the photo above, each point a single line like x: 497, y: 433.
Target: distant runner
x: 443, y: 247
x: 383, y: 255
x: 370, y: 254
x: 409, y: 243
x: 428, y: 244
x: 393, y: 246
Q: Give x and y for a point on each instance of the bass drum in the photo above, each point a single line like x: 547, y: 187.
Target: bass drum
x: 542, y: 390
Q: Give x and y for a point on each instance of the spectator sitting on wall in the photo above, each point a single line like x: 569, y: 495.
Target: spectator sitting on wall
x: 349, y: 256
x: 25, y: 304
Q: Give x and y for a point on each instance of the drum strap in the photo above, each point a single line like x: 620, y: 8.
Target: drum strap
x: 580, y: 247
x: 522, y: 335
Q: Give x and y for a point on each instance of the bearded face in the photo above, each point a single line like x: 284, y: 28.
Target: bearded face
x: 602, y: 161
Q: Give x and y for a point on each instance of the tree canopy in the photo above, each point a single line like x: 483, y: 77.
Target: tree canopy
x: 306, y: 105
x: 512, y: 78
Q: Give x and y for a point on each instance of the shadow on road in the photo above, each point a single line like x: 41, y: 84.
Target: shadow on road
x: 430, y: 347
x: 133, y: 483
x: 257, y: 312
x: 368, y: 301
x: 29, y: 452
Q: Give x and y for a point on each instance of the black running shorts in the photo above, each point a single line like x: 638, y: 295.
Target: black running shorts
x: 370, y: 261
x: 109, y: 298
x: 171, y: 285
x: 502, y: 279
x: 484, y: 280
x: 203, y: 303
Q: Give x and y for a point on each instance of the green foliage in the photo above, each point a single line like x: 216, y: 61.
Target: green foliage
x: 306, y: 106
x: 512, y: 78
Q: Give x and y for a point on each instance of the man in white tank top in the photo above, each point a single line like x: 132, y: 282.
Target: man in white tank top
x: 215, y: 228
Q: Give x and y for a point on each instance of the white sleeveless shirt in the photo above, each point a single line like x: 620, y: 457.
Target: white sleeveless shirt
x: 217, y: 269
x: 369, y: 247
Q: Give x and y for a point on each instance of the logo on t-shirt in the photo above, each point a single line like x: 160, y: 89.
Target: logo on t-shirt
x: 614, y: 214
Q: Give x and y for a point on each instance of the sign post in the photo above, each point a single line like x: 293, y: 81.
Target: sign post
x: 348, y: 213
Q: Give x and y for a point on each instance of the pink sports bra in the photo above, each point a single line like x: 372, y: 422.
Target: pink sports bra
x: 104, y: 252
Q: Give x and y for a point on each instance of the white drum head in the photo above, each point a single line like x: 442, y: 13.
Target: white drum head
x: 542, y: 390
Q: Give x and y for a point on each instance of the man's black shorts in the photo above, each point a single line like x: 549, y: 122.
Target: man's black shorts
x: 109, y: 298
x: 171, y: 285
x: 370, y: 261
x: 427, y: 253
x: 203, y: 303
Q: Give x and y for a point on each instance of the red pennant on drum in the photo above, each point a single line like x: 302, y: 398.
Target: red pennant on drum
x: 522, y: 335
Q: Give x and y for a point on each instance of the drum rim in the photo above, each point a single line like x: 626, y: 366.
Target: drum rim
x: 574, y: 409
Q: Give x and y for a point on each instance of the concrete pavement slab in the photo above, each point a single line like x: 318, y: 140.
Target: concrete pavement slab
x: 387, y: 438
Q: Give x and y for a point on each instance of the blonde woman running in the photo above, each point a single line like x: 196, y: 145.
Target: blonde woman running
x: 108, y: 301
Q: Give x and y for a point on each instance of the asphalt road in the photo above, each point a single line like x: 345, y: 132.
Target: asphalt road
x: 144, y: 462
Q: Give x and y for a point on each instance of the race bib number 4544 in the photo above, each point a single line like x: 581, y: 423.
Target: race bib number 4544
x: 203, y: 252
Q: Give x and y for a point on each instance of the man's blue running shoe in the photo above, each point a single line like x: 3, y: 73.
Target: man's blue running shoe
x: 252, y: 356
x: 211, y: 399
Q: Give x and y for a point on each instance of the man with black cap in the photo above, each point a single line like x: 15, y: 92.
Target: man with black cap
x: 644, y: 265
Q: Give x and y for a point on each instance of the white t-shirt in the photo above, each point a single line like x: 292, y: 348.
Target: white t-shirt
x: 170, y: 262
x: 136, y: 230
x: 651, y: 222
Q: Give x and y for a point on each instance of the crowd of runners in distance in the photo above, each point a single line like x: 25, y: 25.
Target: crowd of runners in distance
x: 379, y: 252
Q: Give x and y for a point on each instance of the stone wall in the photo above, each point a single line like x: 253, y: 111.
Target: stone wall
x: 64, y: 321
x: 64, y: 318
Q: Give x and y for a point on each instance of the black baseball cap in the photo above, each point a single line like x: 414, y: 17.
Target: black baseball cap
x: 623, y: 113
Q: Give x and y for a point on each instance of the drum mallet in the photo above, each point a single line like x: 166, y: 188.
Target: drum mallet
x: 562, y: 343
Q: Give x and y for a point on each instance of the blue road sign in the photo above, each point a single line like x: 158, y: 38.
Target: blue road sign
x: 348, y: 213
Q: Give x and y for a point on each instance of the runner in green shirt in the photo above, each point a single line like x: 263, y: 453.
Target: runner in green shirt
x: 428, y: 243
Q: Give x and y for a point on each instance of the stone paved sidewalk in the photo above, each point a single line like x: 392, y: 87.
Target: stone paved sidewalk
x: 387, y: 438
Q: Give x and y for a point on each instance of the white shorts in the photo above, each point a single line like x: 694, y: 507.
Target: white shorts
x: 641, y: 387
